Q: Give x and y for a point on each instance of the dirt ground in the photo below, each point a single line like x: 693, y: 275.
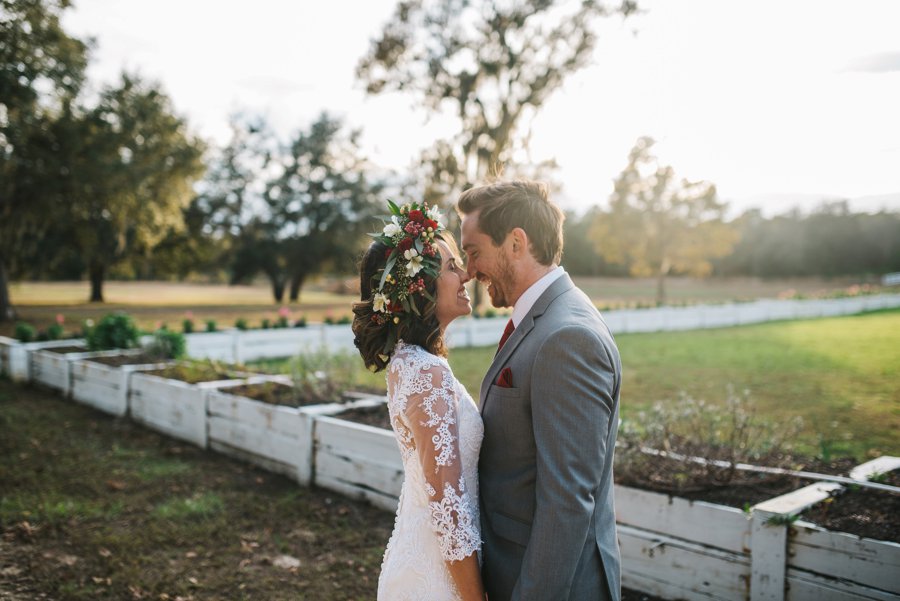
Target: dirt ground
x: 94, y: 507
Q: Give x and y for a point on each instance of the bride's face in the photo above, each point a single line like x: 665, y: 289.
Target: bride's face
x: 452, y: 297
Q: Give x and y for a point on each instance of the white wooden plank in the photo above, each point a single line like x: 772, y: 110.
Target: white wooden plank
x: 357, y: 439
x: 804, y: 586
x: 383, y: 478
x: 768, y: 555
x: 705, y: 523
x: 796, y: 501
x: 676, y: 569
x: 276, y: 418
x: 865, y: 561
x: 879, y: 465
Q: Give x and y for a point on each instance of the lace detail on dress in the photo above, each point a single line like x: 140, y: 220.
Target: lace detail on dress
x: 459, y: 536
x: 439, y: 430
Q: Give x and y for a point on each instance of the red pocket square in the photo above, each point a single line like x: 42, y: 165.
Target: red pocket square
x: 504, y: 380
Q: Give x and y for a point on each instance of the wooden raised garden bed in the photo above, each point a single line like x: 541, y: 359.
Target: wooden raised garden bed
x: 264, y: 422
x: 359, y: 458
x: 172, y: 400
x: 102, y: 381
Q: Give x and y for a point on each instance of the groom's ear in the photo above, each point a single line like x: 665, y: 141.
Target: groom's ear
x: 518, y: 241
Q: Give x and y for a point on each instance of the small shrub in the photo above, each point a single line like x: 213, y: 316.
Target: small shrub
x: 300, y: 323
x: 115, y: 330
x: 281, y: 322
x: 344, y: 320
x: 187, y: 326
x: 266, y: 324
x: 210, y: 325
x: 167, y: 344
x: 55, y: 332
x: 329, y: 320
x: 240, y: 323
x: 24, y: 332
x: 490, y: 313
x: 322, y: 376
x: 686, y: 428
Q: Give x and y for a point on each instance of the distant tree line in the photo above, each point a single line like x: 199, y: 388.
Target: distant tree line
x: 829, y: 241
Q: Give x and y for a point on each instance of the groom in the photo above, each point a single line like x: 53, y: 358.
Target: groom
x: 550, y: 404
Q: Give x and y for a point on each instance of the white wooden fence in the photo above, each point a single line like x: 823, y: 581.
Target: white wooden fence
x: 242, y: 346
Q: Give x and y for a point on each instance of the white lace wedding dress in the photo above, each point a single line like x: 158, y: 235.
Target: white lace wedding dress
x: 439, y: 430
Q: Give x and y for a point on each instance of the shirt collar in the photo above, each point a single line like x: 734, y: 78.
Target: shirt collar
x: 534, y: 292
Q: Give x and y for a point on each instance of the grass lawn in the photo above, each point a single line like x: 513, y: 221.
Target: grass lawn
x: 840, y: 375
x: 93, y: 507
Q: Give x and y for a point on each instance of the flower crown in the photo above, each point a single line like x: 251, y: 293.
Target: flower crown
x: 411, y: 253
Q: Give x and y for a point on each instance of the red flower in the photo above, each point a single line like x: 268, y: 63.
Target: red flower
x: 416, y: 215
x: 431, y: 224
x: 387, y: 253
x: 405, y: 245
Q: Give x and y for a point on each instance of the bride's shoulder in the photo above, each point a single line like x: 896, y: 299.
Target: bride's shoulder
x: 414, y: 354
x: 409, y: 360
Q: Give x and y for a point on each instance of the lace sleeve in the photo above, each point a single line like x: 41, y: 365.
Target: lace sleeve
x: 431, y: 411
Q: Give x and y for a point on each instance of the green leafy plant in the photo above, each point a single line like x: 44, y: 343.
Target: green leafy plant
x: 300, y: 323
x: 55, y: 331
x: 240, y: 323
x: 266, y: 324
x: 115, y: 330
x: 24, y: 332
x: 167, y: 344
x: 210, y: 325
x: 187, y: 325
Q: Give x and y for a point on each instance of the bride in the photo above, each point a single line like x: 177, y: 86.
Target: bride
x: 412, y: 287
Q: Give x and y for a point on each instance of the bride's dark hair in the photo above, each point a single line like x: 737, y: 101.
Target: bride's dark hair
x: 374, y: 340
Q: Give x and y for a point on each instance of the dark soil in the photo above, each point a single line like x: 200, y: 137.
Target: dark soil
x: 370, y: 416
x: 273, y: 393
x: 738, y: 489
x: 864, y: 512
x: 119, y: 360
x: 62, y: 350
x: 93, y: 507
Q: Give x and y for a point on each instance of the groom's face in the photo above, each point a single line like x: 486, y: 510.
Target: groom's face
x: 488, y: 263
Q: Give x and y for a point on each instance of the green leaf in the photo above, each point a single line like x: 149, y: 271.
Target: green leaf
x: 418, y: 244
x: 387, y: 269
x: 394, y: 208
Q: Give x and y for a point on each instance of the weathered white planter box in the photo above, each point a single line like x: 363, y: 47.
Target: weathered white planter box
x: 825, y: 565
x: 357, y: 460
x: 275, y: 437
x: 105, y: 387
x: 680, y: 549
x: 172, y: 407
x: 13, y: 359
x: 53, y: 369
x: 278, y: 342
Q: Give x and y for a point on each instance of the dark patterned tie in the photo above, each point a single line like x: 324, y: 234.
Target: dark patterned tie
x: 506, y: 332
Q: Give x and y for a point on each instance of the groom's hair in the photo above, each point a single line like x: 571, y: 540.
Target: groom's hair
x: 503, y: 206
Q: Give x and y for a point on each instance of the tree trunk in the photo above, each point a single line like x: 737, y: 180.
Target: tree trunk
x: 6, y: 309
x: 277, y: 288
x: 661, y: 289
x: 296, y: 285
x: 97, y: 271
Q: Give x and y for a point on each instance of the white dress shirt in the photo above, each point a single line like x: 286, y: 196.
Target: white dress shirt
x: 530, y: 296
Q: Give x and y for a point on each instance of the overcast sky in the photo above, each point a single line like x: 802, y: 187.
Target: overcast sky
x: 779, y: 102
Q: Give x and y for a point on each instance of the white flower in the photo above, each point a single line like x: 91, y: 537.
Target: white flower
x: 434, y: 213
x: 415, y: 262
x: 378, y: 302
x: 392, y: 228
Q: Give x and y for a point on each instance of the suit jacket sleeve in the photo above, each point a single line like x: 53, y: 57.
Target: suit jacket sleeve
x: 572, y: 397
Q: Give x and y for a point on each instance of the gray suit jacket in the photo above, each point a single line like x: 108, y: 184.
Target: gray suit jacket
x: 545, y: 470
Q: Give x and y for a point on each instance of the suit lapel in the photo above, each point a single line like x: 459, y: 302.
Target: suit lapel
x: 562, y: 284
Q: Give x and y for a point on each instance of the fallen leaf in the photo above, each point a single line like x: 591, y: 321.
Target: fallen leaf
x: 115, y: 484
x: 287, y: 562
